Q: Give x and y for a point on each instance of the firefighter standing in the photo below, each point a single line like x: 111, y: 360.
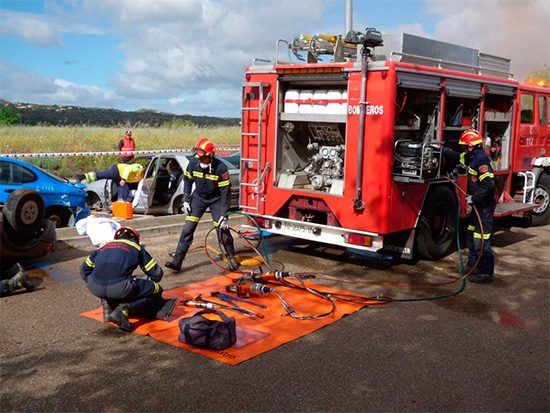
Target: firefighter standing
x: 126, y: 145
x: 108, y: 273
x: 481, y: 194
x: 121, y: 173
x: 212, y: 190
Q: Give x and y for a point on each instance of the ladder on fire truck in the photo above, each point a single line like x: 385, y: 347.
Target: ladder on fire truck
x: 250, y: 162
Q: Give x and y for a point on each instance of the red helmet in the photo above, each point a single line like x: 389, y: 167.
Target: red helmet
x: 470, y: 137
x: 204, y: 147
x: 128, y: 233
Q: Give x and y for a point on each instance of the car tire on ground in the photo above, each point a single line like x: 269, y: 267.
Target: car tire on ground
x: 93, y: 201
x: 24, y: 211
x: 60, y: 215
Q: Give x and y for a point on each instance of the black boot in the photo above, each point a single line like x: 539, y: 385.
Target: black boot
x: 120, y: 317
x: 232, y: 263
x: 107, y: 309
x: 176, y: 262
x: 21, y: 280
x: 177, y: 259
x: 481, y: 278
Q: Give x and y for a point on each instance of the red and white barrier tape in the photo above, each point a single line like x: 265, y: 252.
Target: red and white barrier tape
x: 105, y: 153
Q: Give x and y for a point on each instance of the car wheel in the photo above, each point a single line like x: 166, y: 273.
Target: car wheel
x: 93, y: 201
x: 60, y: 215
x: 24, y: 210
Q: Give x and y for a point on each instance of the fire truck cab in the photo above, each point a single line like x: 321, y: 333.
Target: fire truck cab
x: 346, y: 147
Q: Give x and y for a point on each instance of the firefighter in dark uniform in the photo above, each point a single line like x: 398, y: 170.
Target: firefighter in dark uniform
x: 212, y: 190
x: 481, y: 194
x: 108, y: 273
x: 124, y: 175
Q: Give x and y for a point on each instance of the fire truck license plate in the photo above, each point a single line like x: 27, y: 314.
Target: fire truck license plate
x: 292, y: 226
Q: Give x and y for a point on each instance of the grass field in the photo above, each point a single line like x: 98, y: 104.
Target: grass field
x: 43, y: 139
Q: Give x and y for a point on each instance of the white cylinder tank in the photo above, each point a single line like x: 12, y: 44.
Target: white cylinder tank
x: 306, y: 95
x: 344, y: 105
x: 290, y: 96
x: 320, y: 98
x: 334, y: 106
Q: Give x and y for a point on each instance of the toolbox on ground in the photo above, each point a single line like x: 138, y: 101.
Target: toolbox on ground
x: 122, y: 210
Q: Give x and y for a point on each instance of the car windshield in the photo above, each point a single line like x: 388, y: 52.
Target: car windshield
x: 55, y: 177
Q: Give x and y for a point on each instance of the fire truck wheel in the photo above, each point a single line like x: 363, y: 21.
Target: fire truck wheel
x: 437, y: 226
x: 541, y: 215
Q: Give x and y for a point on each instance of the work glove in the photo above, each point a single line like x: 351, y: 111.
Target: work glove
x: 461, y: 170
x: 223, y: 224
x: 187, y: 208
x: 469, y: 200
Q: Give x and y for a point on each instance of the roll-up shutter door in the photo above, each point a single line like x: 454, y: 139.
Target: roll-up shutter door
x: 463, y: 89
x: 500, y: 90
x: 413, y: 81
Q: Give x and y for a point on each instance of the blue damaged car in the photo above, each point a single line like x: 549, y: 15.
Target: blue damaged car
x: 64, y: 201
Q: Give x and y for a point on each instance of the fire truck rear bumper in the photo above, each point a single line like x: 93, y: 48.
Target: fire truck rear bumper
x: 361, y: 240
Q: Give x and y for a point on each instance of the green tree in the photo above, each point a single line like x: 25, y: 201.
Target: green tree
x: 8, y: 117
x: 178, y: 123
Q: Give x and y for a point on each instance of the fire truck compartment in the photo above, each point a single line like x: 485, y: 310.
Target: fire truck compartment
x: 311, y: 134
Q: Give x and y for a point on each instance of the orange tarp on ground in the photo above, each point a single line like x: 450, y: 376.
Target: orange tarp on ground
x: 253, y: 336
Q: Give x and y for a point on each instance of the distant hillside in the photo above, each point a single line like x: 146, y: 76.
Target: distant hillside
x: 57, y: 115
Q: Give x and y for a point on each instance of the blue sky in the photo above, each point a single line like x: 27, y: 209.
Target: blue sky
x: 188, y: 56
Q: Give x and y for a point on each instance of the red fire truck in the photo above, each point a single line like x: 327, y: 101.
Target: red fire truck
x: 345, y: 148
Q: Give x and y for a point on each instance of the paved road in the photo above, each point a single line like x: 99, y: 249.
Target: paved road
x: 485, y: 349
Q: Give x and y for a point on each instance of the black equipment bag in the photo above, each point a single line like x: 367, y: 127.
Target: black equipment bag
x: 211, y: 334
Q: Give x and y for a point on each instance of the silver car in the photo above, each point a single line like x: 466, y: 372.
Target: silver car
x: 161, y: 191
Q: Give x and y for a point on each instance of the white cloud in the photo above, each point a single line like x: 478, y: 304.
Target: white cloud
x: 34, y: 29
x: 185, y: 47
x: 20, y: 85
x: 508, y: 28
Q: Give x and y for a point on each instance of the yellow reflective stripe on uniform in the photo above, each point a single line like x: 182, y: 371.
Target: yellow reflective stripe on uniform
x: 90, y: 177
x: 478, y: 235
x: 198, y: 174
x: 463, y: 158
x: 192, y: 218
x: 212, y: 177
x: 150, y: 264
x: 132, y: 243
x: 188, y: 175
x: 471, y: 227
x: 89, y: 262
x: 486, y: 175
x: 223, y: 183
x: 472, y: 171
x: 157, y: 287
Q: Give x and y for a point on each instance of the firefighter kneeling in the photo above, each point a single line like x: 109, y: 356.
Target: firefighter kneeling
x: 108, y: 273
x: 212, y: 190
x: 481, y: 193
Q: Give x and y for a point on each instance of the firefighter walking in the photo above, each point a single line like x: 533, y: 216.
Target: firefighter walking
x: 212, y: 190
x: 481, y: 194
x: 108, y: 273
